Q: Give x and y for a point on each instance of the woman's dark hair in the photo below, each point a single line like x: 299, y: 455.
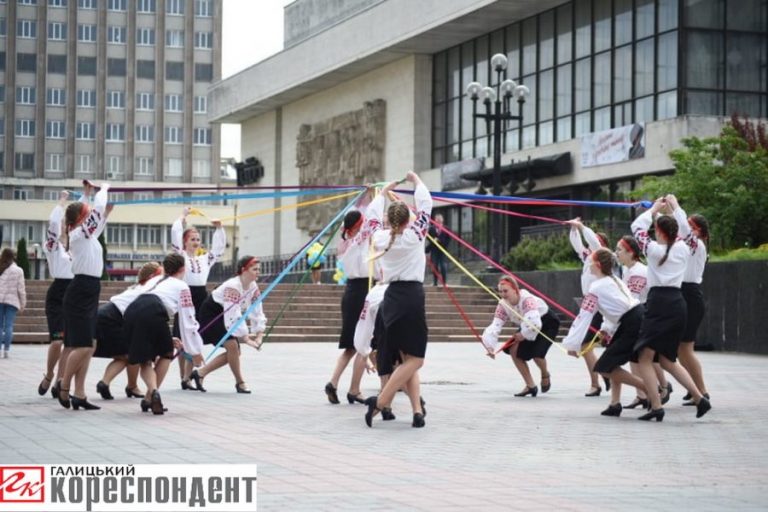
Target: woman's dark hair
x: 603, y: 238
x: 173, y: 263
x: 71, y: 215
x: 350, y: 221
x: 629, y: 243
x: 668, y: 226
x: 243, y: 263
x: 6, y: 258
x: 700, y: 222
x: 605, y: 260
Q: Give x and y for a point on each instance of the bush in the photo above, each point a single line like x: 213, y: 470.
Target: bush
x: 22, y: 258
x: 537, y: 253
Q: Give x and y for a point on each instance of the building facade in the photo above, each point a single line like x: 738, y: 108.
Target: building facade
x: 648, y: 71
x: 107, y: 90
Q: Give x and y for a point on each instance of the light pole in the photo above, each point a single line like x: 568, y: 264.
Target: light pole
x: 500, y: 98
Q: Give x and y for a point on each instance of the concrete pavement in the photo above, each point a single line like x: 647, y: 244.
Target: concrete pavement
x: 482, y: 448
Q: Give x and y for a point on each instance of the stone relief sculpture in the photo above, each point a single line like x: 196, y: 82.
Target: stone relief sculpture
x: 345, y: 149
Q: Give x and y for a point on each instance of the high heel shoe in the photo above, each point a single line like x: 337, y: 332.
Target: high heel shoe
x: 533, y: 391
x: 702, y: 407
x: 103, y: 389
x: 187, y: 386
x: 387, y: 414
x: 62, y: 395
x: 607, y: 383
x: 418, y: 420
x: 132, y: 393
x: 242, y: 387
x: 355, y: 398
x: 663, y: 395
x: 55, y: 389
x: 545, y: 387
x: 690, y: 401
x: 423, y: 409
x: 198, y: 381
x: 687, y: 397
x: 637, y: 401
x: 612, y: 410
x: 372, y: 409
x: 594, y: 391
x: 655, y: 414
x: 156, y: 404
x: 330, y: 392
x: 43, y: 387
x: 147, y: 405
x: 77, y: 403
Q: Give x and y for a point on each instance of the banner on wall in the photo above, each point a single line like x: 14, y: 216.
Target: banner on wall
x: 612, y: 146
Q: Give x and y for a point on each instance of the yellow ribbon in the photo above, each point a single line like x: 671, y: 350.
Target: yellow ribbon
x: 289, y: 206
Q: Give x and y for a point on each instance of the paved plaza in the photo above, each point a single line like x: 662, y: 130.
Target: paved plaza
x: 482, y: 448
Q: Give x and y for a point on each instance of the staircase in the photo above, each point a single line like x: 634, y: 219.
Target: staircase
x: 314, y: 314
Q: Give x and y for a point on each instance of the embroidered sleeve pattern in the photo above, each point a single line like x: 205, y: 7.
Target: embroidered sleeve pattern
x: 501, y: 313
x: 190, y: 338
x: 589, y: 303
x: 640, y: 228
x: 636, y: 284
x: 530, y: 304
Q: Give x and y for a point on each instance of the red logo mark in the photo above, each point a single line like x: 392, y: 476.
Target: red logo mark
x: 22, y: 484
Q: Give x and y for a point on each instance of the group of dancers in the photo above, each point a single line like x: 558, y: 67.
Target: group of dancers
x: 132, y: 328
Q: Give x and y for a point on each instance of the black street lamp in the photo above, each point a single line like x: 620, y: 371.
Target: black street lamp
x: 500, y: 98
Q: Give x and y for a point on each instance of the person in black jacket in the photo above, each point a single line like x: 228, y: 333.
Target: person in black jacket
x: 436, y: 255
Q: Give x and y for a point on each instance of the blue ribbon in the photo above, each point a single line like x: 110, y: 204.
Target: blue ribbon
x: 513, y: 199
x: 231, y: 197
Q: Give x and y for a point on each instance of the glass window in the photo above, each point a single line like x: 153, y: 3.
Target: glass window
x: 201, y: 104
x: 583, y: 22
x: 175, y: 7
x: 644, y: 18
x: 25, y: 95
x: 564, y: 96
x: 746, y: 62
x: 583, y: 82
x: 644, y: 109
x: 204, y: 40
x: 622, y: 74
x: 706, y: 67
x: 667, y: 14
x: 546, y: 95
x: 174, y: 70
x: 564, y: 33
x: 666, y: 67
x: 546, y: 133
x: 57, y: 31
x: 145, y: 133
x: 174, y: 38
x: 145, y: 101
x: 24, y: 161
x: 26, y: 29
x: 468, y: 66
x: 57, y: 64
x: 55, y: 129
x: 529, y: 107
x: 174, y: 167
x: 564, y: 128
x: 115, y: 164
x: 738, y: 20
x: 513, y: 51
x: 529, y: 136
x: 3, y: 27
x: 145, y: 166
x: 116, y: 67
x: 583, y: 123
x: 116, y: 5
x: 602, y: 25
x: 482, y: 63
x: 529, y: 46
x: 622, y: 114
x: 26, y: 62
x: 115, y: 99
x: 644, y: 67
x: 54, y: 162
x: 116, y: 34
x: 203, y: 72
x: 173, y: 103
x: 201, y: 137
x: 602, y: 119
x: 439, y: 82
x: 145, y: 69
x: 174, y: 135
x: 115, y: 132
x: 147, y: 6
x: 704, y: 13
x: 623, y: 17
x: 86, y: 98
x: 666, y: 105
x: 145, y: 36
x: 454, y: 73
x: 86, y: 4
x: 86, y: 33
x: 602, y: 79
x: 57, y: 3
x: 86, y: 66
x: 201, y: 168
x: 546, y: 39
x: 743, y: 104
x: 85, y: 131
x: 453, y: 120
x: 25, y: 127
x: 709, y: 103
x: 55, y: 97
x: 204, y: 8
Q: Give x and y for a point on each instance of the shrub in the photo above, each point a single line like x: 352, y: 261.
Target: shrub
x: 536, y: 253
x: 22, y: 258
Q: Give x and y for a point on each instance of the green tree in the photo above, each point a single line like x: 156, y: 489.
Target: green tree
x: 725, y: 179
x: 22, y: 258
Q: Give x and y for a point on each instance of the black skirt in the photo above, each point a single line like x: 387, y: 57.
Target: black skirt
x: 538, y: 348
x: 54, y: 308
x: 352, y: 303
x: 385, y: 360
x: 212, y: 311
x: 621, y: 349
x: 199, y: 294
x: 81, y: 303
x: 404, y: 318
x: 110, y: 340
x: 663, y: 322
x: 694, y: 301
x: 145, y: 328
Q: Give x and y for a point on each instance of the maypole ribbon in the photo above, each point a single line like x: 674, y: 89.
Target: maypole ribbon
x: 289, y: 206
x: 233, y: 197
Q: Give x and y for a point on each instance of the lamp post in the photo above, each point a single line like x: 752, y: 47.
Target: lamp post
x: 498, y: 115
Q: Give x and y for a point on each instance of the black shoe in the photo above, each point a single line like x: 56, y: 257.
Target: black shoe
x: 42, y: 389
x: 548, y: 380
x: 330, y: 392
x: 242, y: 388
x: 423, y: 403
x: 62, y: 395
x: 655, y: 414
x: 690, y: 402
x: 607, y: 382
x: 55, y: 390
x: 688, y: 396
x: 594, y: 391
x: 156, y: 404
x: 353, y: 398
x: 372, y: 409
x: 612, y: 410
x: 418, y: 420
x: 77, y: 403
x: 664, y: 395
x: 528, y: 391
x: 187, y: 386
x: 638, y: 401
x: 702, y: 407
x: 131, y: 393
x: 103, y: 390
x: 387, y: 414
x: 669, y: 387
x: 198, y: 381
x: 146, y: 406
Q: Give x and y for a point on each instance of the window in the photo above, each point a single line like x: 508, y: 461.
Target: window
x: 201, y: 169
x: 26, y: 29
x: 24, y: 161
x: 26, y: 62
x: 202, y: 137
x: 25, y: 95
x: 55, y: 97
x: 145, y: 36
x: 174, y: 134
x: 115, y: 132
x: 86, y: 66
x: 25, y: 127
x: 149, y: 235
x: 145, y: 133
x: 27, y: 2
x: 114, y: 166
x: 146, y: 6
x: 2, y: 93
x: 57, y: 3
x: 174, y: 71
x: 84, y: 163
x: 3, y: 27
x: 54, y: 162
x: 86, y: 98
x: 204, y: 8
x: 173, y: 103
x: 201, y: 104
x: 57, y: 64
x: 85, y: 131
x: 55, y: 129
x: 203, y: 72
x: 86, y: 33
x: 2, y: 127
x: 145, y: 69
x: 115, y: 99
x: 174, y: 167
x: 204, y: 40
x: 120, y: 234
x: 116, y: 67
x: 50, y: 195
x: 86, y: 4
x: 145, y: 101
x: 57, y: 31
x: 143, y: 196
x: 174, y: 38
x: 115, y: 196
x: 175, y: 7
x: 21, y: 194
x: 116, y: 34
x: 145, y: 166
x: 116, y: 5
